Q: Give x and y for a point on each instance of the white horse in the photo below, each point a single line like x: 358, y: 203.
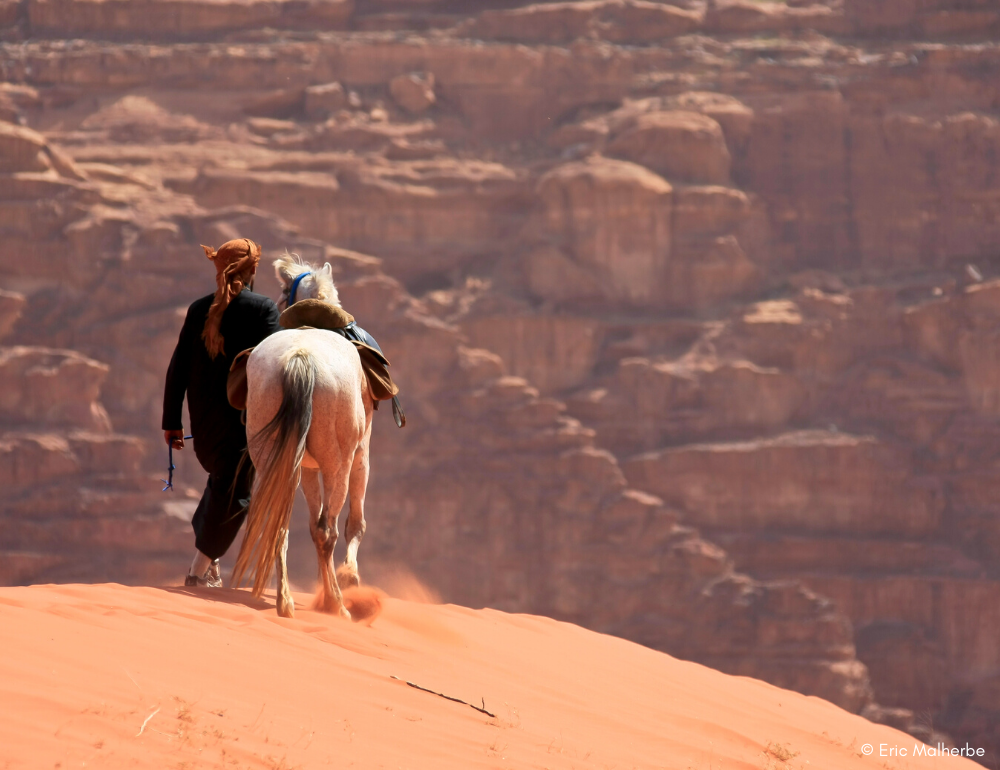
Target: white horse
x: 309, y: 413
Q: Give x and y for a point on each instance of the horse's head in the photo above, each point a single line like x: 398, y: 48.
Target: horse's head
x: 300, y: 280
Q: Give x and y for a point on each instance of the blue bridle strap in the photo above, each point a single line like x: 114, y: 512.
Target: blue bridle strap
x: 295, y: 286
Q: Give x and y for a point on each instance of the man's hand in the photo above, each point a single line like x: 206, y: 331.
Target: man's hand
x: 174, y: 438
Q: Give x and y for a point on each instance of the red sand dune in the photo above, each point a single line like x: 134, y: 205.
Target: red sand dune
x: 107, y: 677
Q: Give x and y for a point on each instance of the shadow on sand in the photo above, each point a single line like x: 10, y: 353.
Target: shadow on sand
x: 223, y: 595
x: 363, y: 602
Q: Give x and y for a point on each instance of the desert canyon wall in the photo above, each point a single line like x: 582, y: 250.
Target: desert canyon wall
x: 694, y: 306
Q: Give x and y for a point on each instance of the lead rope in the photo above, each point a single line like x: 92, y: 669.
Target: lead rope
x: 169, y: 481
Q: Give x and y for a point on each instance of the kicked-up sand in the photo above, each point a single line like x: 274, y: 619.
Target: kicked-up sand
x: 104, y: 676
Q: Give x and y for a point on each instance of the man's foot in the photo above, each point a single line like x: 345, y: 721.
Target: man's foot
x: 212, y: 578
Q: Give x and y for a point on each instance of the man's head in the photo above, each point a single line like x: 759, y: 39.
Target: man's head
x: 235, y: 257
x: 235, y: 266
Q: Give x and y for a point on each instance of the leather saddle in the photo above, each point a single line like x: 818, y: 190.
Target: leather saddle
x: 317, y: 314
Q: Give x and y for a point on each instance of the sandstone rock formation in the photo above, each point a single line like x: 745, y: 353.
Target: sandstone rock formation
x: 587, y: 208
x: 617, y: 20
x: 321, y: 101
x: 644, y: 267
x: 685, y: 146
x: 179, y: 19
x: 414, y: 92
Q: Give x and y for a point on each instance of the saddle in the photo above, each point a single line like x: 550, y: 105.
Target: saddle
x: 317, y: 314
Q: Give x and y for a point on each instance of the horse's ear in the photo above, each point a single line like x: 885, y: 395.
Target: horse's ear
x: 209, y: 251
x: 281, y: 271
x: 328, y: 269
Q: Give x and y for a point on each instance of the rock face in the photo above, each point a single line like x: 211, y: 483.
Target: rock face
x: 694, y: 306
x: 685, y: 146
x: 606, y: 232
x: 617, y: 20
x: 179, y: 18
x: 903, y: 18
x: 52, y: 387
x: 11, y: 305
x: 588, y: 210
x: 414, y: 92
x: 323, y: 100
x: 77, y: 503
x: 847, y: 484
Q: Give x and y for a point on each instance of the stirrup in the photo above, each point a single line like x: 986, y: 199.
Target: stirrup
x: 397, y: 413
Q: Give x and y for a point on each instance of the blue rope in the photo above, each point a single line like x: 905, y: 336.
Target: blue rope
x: 169, y: 481
x: 295, y: 286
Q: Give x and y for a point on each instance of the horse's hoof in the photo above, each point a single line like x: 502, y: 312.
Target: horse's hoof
x: 347, y: 578
x: 286, y: 610
x: 345, y: 613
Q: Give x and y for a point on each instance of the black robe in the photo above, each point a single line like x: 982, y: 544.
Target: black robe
x: 218, y: 431
x: 219, y: 434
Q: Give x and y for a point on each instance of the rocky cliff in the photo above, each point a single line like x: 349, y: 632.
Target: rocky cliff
x: 645, y: 270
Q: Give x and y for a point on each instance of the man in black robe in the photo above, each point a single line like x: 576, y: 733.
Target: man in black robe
x: 217, y: 327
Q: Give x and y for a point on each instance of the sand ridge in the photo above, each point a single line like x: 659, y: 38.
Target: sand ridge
x: 115, y: 677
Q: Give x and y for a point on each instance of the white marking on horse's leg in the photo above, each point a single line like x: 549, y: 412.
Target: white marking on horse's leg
x: 324, y: 534
x: 314, y: 500
x: 355, y: 529
x: 286, y: 605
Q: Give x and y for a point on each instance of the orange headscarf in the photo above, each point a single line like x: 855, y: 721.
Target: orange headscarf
x: 235, y: 264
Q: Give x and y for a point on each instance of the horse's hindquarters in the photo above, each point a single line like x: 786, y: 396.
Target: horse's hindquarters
x: 340, y: 414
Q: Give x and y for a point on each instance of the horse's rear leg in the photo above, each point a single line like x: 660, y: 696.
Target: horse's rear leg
x: 323, y: 528
x: 348, y: 574
x: 314, y: 500
x: 286, y: 605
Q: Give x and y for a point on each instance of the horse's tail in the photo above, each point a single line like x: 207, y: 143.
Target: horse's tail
x: 279, y: 471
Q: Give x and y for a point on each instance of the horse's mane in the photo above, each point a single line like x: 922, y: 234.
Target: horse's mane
x: 317, y: 285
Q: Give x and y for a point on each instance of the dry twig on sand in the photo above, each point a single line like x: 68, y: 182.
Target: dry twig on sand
x: 146, y: 721
x: 132, y: 678
x: 447, y: 697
